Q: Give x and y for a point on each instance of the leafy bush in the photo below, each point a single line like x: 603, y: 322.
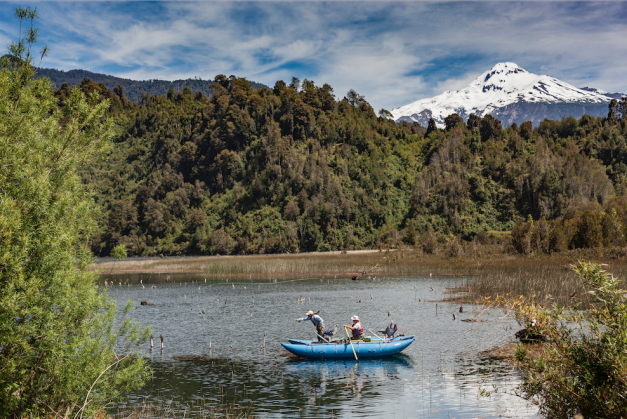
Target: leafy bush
x: 429, y: 242
x: 454, y: 248
x: 582, y: 367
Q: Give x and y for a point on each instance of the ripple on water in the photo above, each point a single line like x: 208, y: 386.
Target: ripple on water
x: 439, y: 375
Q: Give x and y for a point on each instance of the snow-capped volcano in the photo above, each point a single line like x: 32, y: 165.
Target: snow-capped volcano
x: 507, y: 91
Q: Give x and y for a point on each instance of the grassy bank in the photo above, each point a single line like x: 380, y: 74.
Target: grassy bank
x: 402, y: 261
x: 494, y: 271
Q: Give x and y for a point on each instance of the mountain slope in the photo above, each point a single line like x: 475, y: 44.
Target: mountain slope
x: 511, y: 94
x: 614, y: 95
x: 133, y: 89
x: 282, y: 170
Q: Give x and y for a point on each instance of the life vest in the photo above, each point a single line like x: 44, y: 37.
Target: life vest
x: 359, y: 330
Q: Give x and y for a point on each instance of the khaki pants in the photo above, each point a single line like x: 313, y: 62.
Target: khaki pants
x: 320, y: 331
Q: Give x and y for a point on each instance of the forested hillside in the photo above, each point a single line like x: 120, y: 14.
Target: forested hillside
x: 134, y: 89
x: 294, y: 169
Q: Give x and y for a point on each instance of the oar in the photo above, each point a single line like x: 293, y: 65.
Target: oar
x: 351, y: 342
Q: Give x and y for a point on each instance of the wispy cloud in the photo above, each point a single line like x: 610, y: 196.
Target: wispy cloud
x: 391, y: 52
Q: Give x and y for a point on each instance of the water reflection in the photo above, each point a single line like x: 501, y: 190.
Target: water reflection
x: 437, y: 376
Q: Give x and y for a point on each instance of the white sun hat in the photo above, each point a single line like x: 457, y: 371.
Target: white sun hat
x: 355, y: 318
x: 309, y: 313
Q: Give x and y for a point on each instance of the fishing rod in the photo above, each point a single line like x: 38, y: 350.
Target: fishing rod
x: 375, y: 334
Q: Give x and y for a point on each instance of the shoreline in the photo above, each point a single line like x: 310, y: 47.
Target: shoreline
x: 488, y: 273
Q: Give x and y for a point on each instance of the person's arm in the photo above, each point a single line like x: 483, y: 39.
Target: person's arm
x: 349, y: 327
x: 303, y: 319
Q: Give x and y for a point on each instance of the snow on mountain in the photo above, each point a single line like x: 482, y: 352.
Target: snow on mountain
x: 495, y: 91
x: 614, y: 95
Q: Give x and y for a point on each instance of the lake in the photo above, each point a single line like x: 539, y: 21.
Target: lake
x: 216, y: 362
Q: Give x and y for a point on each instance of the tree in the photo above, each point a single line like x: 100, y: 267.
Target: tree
x: 119, y: 91
x: 489, y: 128
x: 617, y: 109
x: 354, y: 98
x: 589, y: 230
x: 521, y: 236
x: 409, y: 237
x: 308, y: 85
x: 385, y: 114
x: 526, y: 129
x: 452, y: 120
x: 473, y: 121
x: 279, y: 86
x: 431, y: 127
x: 295, y: 84
x: 429, y: 242
x: 59, y: 349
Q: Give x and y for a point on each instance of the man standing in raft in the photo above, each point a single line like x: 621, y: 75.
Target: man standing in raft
x: 317, y: 321
x: 356, y: 328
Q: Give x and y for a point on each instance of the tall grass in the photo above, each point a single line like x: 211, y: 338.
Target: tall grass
x: 197, y: 410
x: 403, y: 261
x: 494, y: 271
x: 548, y: 279
x: 307, y: 264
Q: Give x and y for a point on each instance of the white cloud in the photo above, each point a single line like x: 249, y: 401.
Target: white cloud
x: 456, y: 83
x: 393, y: 53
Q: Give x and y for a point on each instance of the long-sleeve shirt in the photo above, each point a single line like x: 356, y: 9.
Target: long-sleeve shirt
x: 315, y: 319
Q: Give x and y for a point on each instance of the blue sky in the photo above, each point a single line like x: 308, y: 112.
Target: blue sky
x: 391, y: 52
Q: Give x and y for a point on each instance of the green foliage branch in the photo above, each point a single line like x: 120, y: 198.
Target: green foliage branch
x: 61, y: 353
x: 582, y: 366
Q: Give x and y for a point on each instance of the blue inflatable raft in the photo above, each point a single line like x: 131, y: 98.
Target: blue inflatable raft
x: 341, y: 349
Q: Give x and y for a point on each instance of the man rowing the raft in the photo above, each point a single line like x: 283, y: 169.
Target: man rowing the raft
x: 317, y: 321
x: 356, y: 328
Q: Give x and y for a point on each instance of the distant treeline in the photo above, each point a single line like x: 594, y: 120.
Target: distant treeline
x: 133, y: 89
x: 294, y: 169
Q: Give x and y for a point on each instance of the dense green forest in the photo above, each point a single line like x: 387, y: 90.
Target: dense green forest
x: 294, y: 169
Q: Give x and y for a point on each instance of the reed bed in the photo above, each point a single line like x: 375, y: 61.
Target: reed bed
x: 493, y: 271
x: 386, y: 262
x: 198, y: 410
x: 307, y: 264
x: 548, y: 280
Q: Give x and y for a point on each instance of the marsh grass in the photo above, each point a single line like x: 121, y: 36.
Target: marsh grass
x: 404, y: 261
x: 256, y: 265
x: 491, y: 269
x: 547, y: 279
x: 197, y: 410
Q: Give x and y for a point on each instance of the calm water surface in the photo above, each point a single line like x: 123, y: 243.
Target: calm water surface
x: 439, y: 376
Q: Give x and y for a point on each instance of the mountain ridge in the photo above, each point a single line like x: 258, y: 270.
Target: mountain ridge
x: 133, y: 89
